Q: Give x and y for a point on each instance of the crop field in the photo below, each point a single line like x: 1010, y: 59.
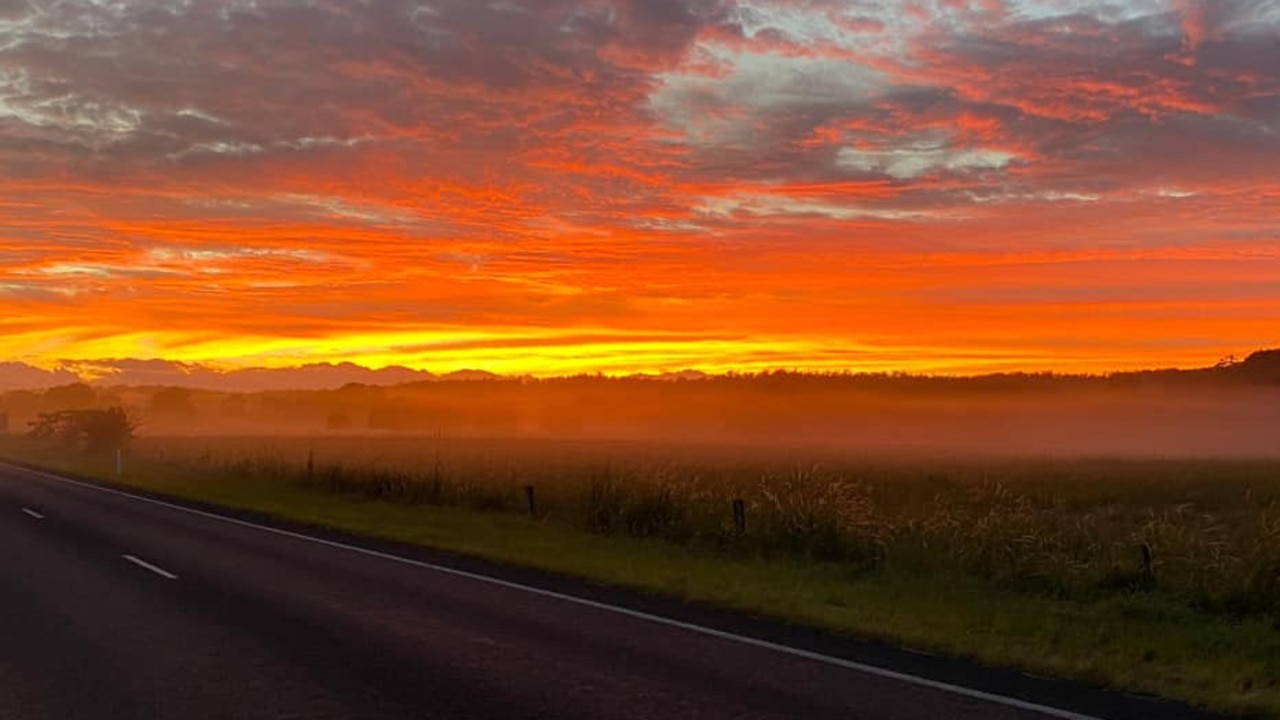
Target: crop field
x: 1205, y: 531
x: 1158, y: 576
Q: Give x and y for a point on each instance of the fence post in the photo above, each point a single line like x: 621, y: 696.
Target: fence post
x: 740, y: 515
x: 1148, y: 574
x: 119, y: 462
x: 529, y: 500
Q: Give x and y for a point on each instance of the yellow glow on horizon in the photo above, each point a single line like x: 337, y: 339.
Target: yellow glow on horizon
x: 550, y: 352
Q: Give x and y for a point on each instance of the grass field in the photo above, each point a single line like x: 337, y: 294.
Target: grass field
x: 1156, y: 576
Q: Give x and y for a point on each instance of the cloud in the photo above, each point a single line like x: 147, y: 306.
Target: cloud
x: 293, y: 181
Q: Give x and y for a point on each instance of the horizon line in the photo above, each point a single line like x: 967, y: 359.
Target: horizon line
x: 190, y: 375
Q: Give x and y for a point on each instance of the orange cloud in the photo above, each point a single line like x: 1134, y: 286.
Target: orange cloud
x: 555, y: 186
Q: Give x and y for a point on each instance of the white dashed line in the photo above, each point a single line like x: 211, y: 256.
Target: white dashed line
x: 157, y: 570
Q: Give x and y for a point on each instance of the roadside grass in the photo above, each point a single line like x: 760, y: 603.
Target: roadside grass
x: 1169, y: 642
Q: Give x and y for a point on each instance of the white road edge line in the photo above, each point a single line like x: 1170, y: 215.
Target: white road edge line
x: 872, y: 670
x: 144, y: 564
x: 33, y: 513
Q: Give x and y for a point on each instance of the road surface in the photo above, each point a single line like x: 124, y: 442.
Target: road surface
x: 116, y: 606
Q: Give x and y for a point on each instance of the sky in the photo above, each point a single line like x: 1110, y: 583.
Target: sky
x: 550, y: 187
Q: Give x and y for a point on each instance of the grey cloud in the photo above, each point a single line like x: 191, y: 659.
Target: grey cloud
x: 12, y: 10
x: 148, y: 80
x: 155, y: 86
x: 200, y: 94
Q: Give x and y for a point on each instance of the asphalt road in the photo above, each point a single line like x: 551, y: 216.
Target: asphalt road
x: 116, y: 606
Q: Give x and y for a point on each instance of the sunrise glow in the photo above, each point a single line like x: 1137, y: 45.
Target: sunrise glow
x: 549, y: 187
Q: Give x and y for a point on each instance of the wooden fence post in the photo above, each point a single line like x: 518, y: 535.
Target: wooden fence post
x: 740, y: 515
x: 529, y: 500
x: 1148, y: 573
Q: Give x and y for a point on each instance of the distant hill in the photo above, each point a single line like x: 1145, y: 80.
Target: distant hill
x: 319, y: 376
x: 672, y: 376
x: 470, y: 375
x: 20, y: 376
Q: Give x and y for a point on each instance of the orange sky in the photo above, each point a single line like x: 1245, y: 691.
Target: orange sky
x: 545, y: 186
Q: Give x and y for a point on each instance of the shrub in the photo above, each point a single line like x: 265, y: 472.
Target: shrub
x: 91, y: 431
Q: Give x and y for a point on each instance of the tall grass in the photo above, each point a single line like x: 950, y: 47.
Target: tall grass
x: 1206, y: 532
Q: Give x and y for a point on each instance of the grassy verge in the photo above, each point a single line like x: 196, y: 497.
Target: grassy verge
x: 1144, y: 642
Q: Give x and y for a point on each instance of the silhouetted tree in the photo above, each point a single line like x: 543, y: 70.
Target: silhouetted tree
x: 93, y: 431
x: 173, y: 401
x: 1262, y: 367
x: 76, y: 396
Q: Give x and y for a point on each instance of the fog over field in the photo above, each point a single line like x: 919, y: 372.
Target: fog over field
x: 1231, y: 411
x: 1232, y: 424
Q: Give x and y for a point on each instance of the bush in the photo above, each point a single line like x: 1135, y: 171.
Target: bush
x: 92, y: 431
